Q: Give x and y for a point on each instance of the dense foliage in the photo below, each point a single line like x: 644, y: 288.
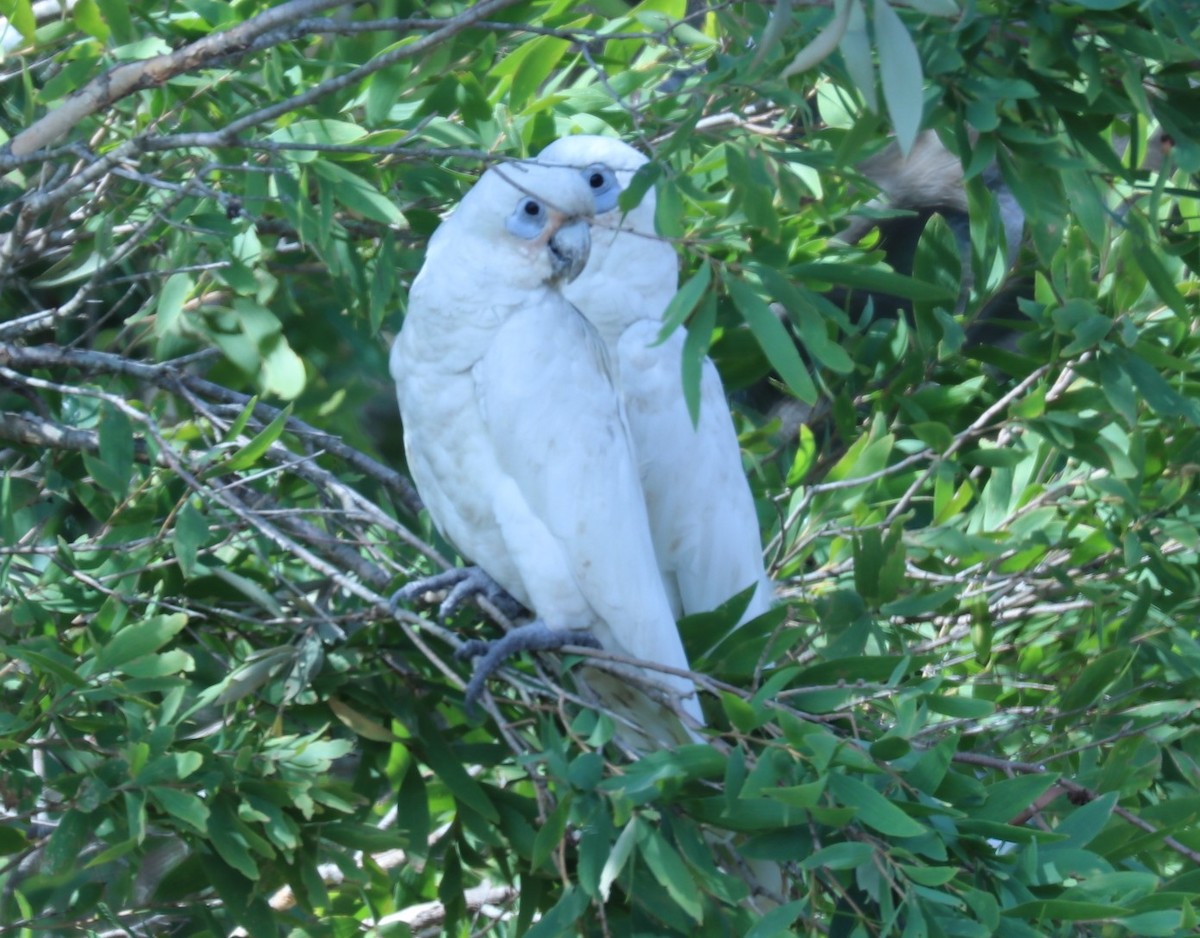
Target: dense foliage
x: 974, y: 713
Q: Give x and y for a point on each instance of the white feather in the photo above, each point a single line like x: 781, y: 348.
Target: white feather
x: 514, y: 432
x: 702, y: 516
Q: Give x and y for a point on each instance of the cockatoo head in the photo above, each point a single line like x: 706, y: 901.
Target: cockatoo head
x: 521, y: 225
x: 607, y: 165
x: 632, y: 273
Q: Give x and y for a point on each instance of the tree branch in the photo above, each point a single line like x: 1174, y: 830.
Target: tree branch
x: 125, y: 79
x: 1077, y: 791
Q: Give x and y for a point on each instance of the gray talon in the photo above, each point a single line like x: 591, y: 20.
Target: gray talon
x: 534, y: 636
x: 461, y: 583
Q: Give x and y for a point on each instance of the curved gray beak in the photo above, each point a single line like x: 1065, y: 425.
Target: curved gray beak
x: 569, y: 248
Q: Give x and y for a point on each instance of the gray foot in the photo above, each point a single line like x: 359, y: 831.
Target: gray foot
x: 534, y: 636
x: 462, y: 583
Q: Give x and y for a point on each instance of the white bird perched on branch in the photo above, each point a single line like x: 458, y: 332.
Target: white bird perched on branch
x: 514, y: 432
x: 702, y: 515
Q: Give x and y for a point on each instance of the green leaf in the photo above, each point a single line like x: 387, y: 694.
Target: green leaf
x: 1085, y: 823
x: 900, y: 74
x: 113, y: 466
x: 774, y: 340
x: 1065, y: 910
x: 619, y: 856
x: 1095, y: 679
x: 190, y: 534
x: 227, y: 835
x: 360, y: 723
x: 874, y: 280
x: 1162, y: 398
x: 872, y: 808
x: 239, y: 894
x: 252, y: 452
x: 1010, y: 796
x: 20, y: 15
x: 182, y: 806
x: 11, y: 841
x: 117, y: 16
x: 358, y: 195
x: 798, y: 796
x: 855, y: 46
x: 807, y: 317
x: 550, y: 834
x: 75, y: 829
x: 778, y: 920
x: 695, y: 354
x: 453, y: 775
x: 669, y: 869
x: 138, y: 639
x: 87, y: 16
x: 844, y: 856
x: 48, y: 663
x: 561, y: 918
x: 412, y: 804
x: 685, y: 300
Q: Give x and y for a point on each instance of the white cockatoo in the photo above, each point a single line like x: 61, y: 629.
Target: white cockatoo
x: 515, y: 435
x: 702, y: 515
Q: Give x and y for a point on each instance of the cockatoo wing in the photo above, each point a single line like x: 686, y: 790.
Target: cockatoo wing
x: 702, y: 515
x: 570, y: 506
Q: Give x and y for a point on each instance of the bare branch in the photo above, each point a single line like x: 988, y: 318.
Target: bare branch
x: 129, y: 77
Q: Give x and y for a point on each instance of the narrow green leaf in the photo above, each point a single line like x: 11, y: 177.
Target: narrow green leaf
x: 190, y: 534
x: 778, y: 920
x: 669, y: 869
x: 685, y: 300
x: 1010, y: 796
x: 1084, y: 824
x: 776, y: 344
x: 873, y: 809
x: 20, y: 16
x: 855, y: 47
x: 1065, y: 910
x: 238, y: 894
x: 225, y: 833
x: 253, y: 451
x: 170, y: 303
x: 900, y: 73
x: 873, y: 279
x: 140, y: 638
x: 358, y: 195
x: 453, y: 775
x: 67, y: 841
x: 43, y: 664
x: 618, y: 857
x: 182, y: 806
x: 695, y: 354
x: 412, y: 805
x: 1162, y: 398
x: 361, y: 724
x: 11, y: 841
x: 116, y: 14
x: 1095, y: 679
x: 844, y: 856
x: 798, y: 796
x: 550, y: 834
x: 561, y: 918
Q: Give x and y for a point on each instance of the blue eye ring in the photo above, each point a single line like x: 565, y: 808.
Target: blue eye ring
x: 606, y: 190
x: 527, y: 220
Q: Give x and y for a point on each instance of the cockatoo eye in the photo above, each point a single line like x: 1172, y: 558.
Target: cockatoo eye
x: 605, y: 188
x: 527, y: 220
